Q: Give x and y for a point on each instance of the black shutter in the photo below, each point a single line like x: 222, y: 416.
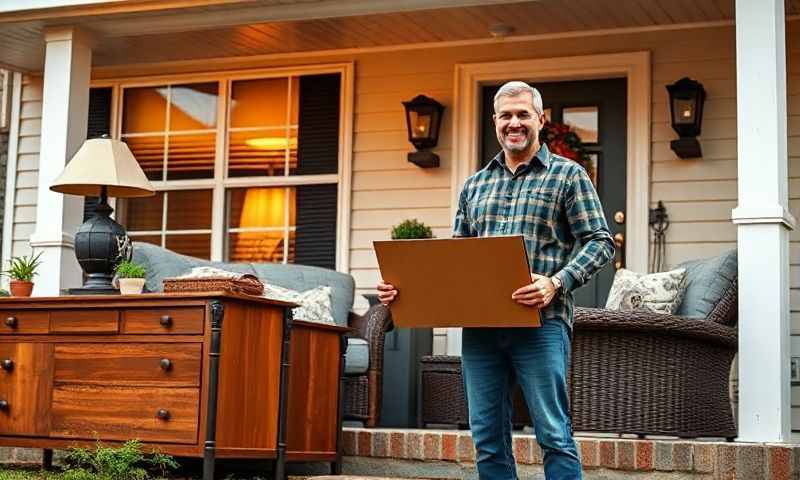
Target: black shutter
x: 99, y: 124
x: 315, y: 243
x: 318, y: 129
x: 317, y: 153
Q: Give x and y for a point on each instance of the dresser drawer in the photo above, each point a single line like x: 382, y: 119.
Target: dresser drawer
x: 24, y: 322
x: 181, y: 320
x: 166, y: 415
x: 84, y: 321
x: 153, y: 364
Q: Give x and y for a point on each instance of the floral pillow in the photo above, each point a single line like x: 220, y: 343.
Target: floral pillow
x: 660, y: 292
x: 315, y: 304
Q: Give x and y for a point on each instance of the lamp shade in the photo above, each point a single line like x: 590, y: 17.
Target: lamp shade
x: 103, y: 162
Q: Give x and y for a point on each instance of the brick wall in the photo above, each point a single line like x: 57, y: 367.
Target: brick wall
x: 689, y: 459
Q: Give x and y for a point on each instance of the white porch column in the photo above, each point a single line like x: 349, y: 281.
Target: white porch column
x: 763, y: 222
x: 65, y: 107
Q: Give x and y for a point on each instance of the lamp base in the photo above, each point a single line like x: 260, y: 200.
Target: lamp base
x: 686, y: 147
x: 97, y: 250
x: 424, y: 159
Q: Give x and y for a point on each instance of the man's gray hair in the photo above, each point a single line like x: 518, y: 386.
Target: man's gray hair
x: 512, y: 89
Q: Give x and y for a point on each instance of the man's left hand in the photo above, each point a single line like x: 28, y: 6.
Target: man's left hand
x: 537, y: 294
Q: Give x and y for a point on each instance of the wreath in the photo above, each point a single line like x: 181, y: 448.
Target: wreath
x: 562, y: 140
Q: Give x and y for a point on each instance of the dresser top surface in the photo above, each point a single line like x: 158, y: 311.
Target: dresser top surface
x: 77, y: 300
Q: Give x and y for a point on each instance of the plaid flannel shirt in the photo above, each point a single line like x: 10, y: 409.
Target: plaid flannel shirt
x: 552, y: 203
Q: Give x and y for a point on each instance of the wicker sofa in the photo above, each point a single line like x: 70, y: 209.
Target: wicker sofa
x: 632, y: 372
x: 364, y: 360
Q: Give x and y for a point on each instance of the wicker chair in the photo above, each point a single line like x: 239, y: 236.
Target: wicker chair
x: 363, y: 393
x: 645, y: 373
x: 632, y: 372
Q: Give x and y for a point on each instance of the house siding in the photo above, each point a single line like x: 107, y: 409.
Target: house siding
x: 30, y: 123
x: 699, y: 194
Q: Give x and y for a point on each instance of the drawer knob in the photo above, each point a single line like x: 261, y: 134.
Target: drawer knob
x: 8, y: 365
x: 11, y: 322
x: 163, y: 414
x: 166, y: 364
x: 4, y: 405
x: 165, y: 321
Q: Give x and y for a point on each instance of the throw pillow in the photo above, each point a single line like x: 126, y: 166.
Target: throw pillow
x: 707, y: 280
x: 315, y: 304
x: 657, y: 292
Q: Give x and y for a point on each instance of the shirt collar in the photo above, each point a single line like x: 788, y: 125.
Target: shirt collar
x: 543, y: 155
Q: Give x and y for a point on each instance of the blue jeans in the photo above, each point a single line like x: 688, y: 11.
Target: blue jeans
x: 536, y: 358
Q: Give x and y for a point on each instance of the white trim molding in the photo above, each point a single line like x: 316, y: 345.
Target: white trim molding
x: 11, y: 170
x: 634, y: 66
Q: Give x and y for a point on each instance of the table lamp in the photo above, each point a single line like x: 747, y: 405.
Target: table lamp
x: 101, y: 167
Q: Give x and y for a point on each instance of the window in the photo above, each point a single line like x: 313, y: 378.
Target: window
x: 246, y: 168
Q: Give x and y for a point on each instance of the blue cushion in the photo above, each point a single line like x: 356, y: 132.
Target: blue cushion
x: 707, y: 280
x: 356, y: 360
x: 160, y: 263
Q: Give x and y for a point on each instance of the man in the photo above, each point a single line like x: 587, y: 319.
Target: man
x: 551, y: 201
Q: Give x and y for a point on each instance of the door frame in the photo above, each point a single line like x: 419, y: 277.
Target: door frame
x: 634, y: 66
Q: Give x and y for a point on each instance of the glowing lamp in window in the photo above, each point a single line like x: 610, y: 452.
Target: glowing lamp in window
x: 686, y: 98
x: 423, y: 119
x: 263, y: 207
x: 272, y: 143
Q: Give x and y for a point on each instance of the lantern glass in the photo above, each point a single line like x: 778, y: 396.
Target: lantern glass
x: 684, y: 111
x: 420, y: 122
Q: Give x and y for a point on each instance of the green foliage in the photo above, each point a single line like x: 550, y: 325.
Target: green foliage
x: 129, y: 269
x: 23, y: 268
x: 409, y: 229
x: 127, y: 462
x: 4, y: 293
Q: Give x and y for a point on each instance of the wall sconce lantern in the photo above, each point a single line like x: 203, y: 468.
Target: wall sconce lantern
x: 423, y: 119
x: 686, y: 98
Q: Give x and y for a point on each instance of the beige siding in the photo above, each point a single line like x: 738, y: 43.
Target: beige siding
x: 27, y: 165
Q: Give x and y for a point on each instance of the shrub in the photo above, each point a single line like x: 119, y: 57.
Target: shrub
x: 127, y: 462
x: 409, y: 229
x: 129, y: 269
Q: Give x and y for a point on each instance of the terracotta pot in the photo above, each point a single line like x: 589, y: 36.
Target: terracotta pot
x: 20, y: 288
x: 131, y: 286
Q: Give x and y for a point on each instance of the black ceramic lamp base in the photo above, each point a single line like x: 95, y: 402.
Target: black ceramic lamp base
x: 97, y: 250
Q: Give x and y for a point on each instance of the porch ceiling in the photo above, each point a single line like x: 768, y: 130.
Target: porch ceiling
x: 256, y: 27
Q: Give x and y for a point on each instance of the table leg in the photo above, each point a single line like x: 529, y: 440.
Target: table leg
x: 209, y: 451
x: 280, y: 461
x: 47, y: 458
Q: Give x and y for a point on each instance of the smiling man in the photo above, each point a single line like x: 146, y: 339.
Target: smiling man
x: 550, y: 200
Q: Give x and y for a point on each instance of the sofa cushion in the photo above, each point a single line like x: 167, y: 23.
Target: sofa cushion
x: 160, y: 263
x: 356, y: 360
x: 657, y: 292
x: 707, y: 280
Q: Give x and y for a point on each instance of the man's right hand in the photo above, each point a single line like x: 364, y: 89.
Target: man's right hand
x: 386, y: 293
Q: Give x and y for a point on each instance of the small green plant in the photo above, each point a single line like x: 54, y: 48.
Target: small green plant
x: 411, y: 229
x: 129, y: 269
x: 127, y: 462
x: 23, y: 268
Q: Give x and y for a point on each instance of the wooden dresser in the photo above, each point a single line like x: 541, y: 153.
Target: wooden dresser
x: 200, y: 375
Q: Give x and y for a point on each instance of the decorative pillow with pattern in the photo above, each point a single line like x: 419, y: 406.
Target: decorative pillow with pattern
x: 660, y: 292
x: 315, y: 304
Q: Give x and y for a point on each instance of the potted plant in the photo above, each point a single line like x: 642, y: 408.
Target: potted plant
x: 21, y: 270
x: 131, y: 277
x: 410, y: 229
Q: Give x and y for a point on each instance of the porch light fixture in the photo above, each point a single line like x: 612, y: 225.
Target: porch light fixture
x: 686, y: 98
x: 423, y: 119
x: 101, y: 167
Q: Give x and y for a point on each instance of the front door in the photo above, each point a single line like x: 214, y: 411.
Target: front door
x: 597, y: 111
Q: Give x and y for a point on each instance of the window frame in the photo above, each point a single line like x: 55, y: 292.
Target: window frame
x: 220, y: 182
